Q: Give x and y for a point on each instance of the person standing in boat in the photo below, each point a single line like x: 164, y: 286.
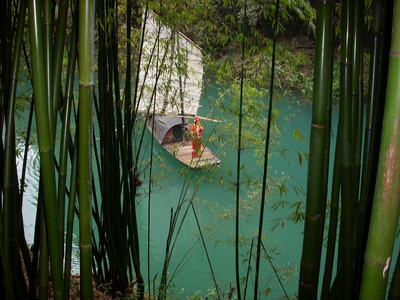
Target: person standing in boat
x: 197, y: 131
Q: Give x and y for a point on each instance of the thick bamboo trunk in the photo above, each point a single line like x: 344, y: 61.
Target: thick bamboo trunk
x: 315, y: 199
x: 386, y: 204
x: 46, y: 144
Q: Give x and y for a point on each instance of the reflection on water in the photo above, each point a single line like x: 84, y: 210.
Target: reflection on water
x: 30, y: 189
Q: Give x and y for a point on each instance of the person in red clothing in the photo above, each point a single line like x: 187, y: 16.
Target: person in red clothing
x: 197, y: 131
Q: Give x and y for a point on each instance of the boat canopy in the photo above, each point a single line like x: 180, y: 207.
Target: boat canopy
x: 171, y: 71
x: 166, y: 129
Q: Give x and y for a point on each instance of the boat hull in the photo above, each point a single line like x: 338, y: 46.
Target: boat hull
x: 168, y: 132
x: 182, y: 151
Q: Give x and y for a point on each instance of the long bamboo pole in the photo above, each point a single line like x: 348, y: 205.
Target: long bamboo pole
x: 315, y: 200
x: 47, y: 21
x: 55, y: 94
x: 86, y: 68
x: 45, y: 145
x: 327, y: 292
x: 113, y: 221
x: 386, y: 204
x: 346, y: 149
x: 64, y: 147
x: 239, y: 167
x: 266, y: 156
x: 133, y: 164
x: 357, y: 116
x: 369, y: 172
x: 11, y: 198
x: 7, y: 155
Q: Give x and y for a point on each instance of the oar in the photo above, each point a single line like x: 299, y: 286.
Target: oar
x: 192, y: 117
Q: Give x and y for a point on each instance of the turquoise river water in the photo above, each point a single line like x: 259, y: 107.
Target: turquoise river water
x: 189, y: 268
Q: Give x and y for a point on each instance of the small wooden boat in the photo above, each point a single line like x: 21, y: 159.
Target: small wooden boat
x: 168, y: 131
x: 170, y: 84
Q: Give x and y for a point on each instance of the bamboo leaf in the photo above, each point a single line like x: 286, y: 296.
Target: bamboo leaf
x: 300, y: 158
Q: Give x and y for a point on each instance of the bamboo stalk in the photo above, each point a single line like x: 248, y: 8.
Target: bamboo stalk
x: 55, y: 93
x: 64, y: 147
x: 266, y: 154
x: 326, y: 292
x: 357, y: 90
x: 239, y: 165
x: 374, y: 112
x: 47, y: 21
x: 357, y: 116
x: 70, y: 220
x: 346, y: 150
x: 11, y: 213
x: 315, y: 200
x: 86, y: 48
x: 385, y: 209
x: 45, y: 145
x: 114, y: 229
x: 368, y: 174
x: 59, y: 46
x: 43, y: 272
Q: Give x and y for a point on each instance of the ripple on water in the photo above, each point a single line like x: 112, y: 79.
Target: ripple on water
x: 30, y: 201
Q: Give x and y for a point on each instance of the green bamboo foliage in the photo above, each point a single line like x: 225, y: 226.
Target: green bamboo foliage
x: 315, y: 200
x: 45, y: 141
x: 385, y: 209
x: 85, y: 131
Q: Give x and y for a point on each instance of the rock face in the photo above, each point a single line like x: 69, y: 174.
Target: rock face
x: 302, y: 42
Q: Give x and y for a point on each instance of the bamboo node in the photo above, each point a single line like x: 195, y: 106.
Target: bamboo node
x: 316, y: 217
x: 394, y: 53
x: 308, y: 282
x: 372, y: 262
x: 318, y: 126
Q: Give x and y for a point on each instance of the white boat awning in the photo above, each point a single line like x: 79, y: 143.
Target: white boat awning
x: 163, y: 125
